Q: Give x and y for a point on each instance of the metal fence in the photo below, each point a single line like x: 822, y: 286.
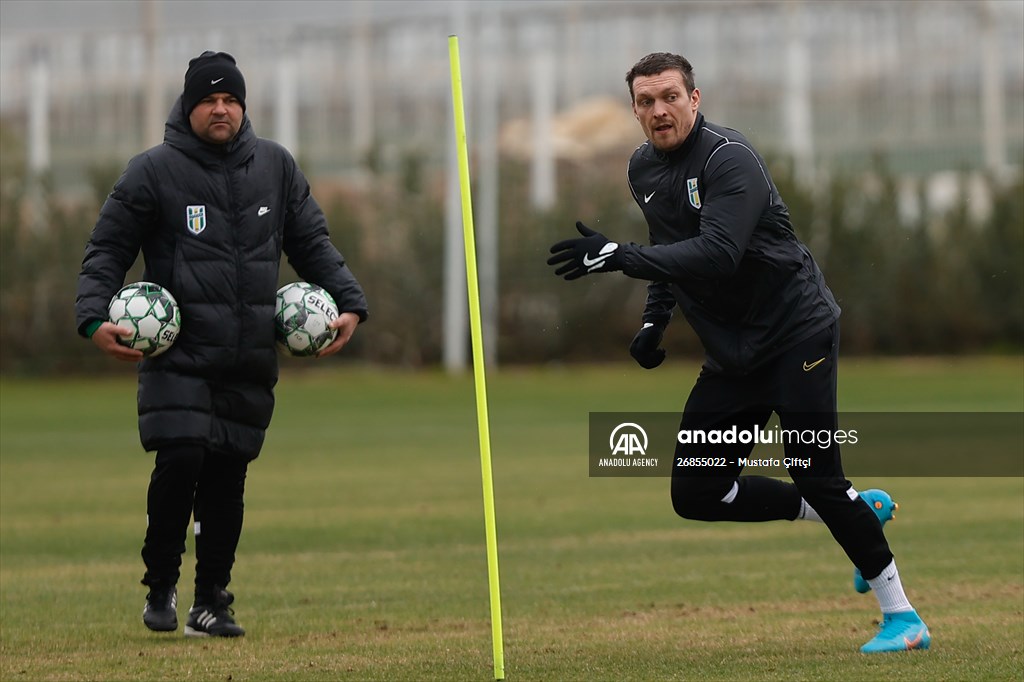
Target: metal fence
x: 929, y: 85
x: 360, y: 92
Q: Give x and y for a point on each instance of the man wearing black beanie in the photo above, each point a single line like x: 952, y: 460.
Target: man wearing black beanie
x: 214, y: 97
x: 211, y: 209
x: 212, y: 72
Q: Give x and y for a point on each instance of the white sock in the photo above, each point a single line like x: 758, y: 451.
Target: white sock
x: 889, y: 590
x: 807, y: 512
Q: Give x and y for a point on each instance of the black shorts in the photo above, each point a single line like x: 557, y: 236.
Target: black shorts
x: 799, y: 385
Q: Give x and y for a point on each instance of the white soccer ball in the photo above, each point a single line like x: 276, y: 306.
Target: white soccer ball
x: 301, y: 318
x: 150, y: 313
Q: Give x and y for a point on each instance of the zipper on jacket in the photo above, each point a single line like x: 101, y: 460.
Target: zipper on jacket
x: 236, y: 220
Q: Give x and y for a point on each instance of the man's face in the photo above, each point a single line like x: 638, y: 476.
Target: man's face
x: 665, y: 110
x: 217, y: 118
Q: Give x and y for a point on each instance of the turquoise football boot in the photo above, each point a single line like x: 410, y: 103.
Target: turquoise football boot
x: 885, y: 509
x: 900, y: 632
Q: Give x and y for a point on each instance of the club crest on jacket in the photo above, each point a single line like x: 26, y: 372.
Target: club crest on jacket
x: 691, y: 191
x: 195, y: 219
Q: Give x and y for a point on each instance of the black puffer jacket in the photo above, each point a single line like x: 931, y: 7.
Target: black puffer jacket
x: 214, y: 387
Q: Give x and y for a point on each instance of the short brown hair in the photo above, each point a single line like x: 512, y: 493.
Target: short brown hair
x: 655, y: 63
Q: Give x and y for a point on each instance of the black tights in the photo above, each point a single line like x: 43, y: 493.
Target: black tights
x: 190, y: 481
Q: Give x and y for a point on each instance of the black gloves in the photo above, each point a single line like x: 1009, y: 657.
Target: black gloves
x: 581, y: 256
x: 644, y: 347
x: 593, y: 252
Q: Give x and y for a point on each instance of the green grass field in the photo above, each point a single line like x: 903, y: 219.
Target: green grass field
x: 363, y: 556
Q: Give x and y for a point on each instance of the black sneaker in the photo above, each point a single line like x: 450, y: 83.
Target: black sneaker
x: 213, y: 618
x: 160, y: 613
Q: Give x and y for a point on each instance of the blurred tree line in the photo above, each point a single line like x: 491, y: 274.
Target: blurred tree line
x: 924, y: 283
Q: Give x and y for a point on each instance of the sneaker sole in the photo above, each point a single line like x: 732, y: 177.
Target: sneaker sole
x: 192, y: 632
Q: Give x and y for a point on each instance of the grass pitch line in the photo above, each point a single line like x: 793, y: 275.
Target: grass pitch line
x: 479, y: 374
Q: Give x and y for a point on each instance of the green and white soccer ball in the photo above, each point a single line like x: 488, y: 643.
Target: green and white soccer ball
x: 301, y: 318
x: 150, y: 312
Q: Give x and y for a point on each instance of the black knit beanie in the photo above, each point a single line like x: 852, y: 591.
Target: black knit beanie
x: 208, y: 73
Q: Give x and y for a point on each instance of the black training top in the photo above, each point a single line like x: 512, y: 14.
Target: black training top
x: 723, y: 248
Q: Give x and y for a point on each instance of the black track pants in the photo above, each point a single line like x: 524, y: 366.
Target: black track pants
x: 188, y: 481
x: 799, y: 386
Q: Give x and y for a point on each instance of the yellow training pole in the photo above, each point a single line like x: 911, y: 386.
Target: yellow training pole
x: 476, y: 333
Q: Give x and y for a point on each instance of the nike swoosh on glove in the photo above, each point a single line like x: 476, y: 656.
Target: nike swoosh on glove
x: 593, y: 252
x: 644, y: 347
